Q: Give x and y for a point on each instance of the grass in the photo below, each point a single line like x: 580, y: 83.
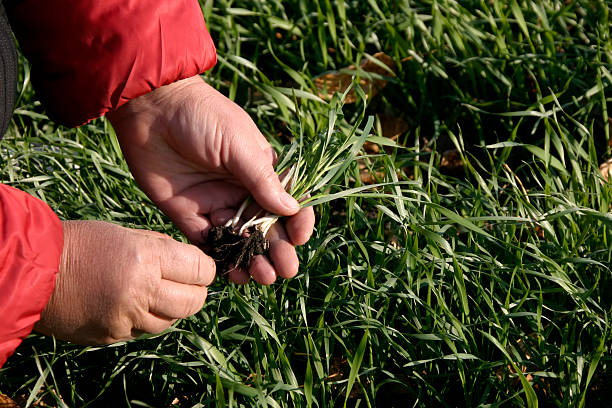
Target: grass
x: 484, y: 285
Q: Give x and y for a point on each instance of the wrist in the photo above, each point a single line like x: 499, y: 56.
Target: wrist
x: 155, y: 102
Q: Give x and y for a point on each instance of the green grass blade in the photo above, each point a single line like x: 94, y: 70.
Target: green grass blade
x: 532, y: 399
x: 356, y: 365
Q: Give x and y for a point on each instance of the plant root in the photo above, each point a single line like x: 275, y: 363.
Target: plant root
x: 233, y: 250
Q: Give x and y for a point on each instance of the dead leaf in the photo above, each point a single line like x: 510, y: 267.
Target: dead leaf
x: 336, y: 81
x: 451, y: 159
x: 6, y: 402
x: 606, y: 169
x: 367, y: 177
x: 392, y: 127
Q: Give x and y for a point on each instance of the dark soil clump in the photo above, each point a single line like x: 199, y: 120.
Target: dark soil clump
x: 229, y: 249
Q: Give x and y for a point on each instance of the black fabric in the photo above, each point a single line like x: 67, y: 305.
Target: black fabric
x: 8, y: 73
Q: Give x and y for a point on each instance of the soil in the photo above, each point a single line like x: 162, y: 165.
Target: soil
x: 230, y: 250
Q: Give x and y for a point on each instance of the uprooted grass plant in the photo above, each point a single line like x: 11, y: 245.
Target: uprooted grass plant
x: 480, y: 278
x: 308, y: 169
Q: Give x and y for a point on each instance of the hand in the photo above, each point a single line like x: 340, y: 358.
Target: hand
x: 117, y: 283
x: 198, y: 155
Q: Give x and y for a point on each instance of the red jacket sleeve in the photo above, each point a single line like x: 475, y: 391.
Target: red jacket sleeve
x: 91, y: 56
x: 31, y: 241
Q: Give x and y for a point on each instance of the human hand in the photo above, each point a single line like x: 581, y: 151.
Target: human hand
x: 198, y: 155
x: 116, y: 283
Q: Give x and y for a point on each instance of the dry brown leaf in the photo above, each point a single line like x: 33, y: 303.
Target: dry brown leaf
x: 6, y: 402
x: 392, y: 127
x: 370, y: 147
x: 330, y: 83
x: 451, y: 159
x: 606, y: 169
x: 367, y: 177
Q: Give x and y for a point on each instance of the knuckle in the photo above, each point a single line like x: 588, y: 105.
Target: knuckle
x: 115, y: 330
x: 267, y: 175
x: 138, y: 255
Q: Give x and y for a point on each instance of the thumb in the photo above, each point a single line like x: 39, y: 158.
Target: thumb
x: 252, y: 166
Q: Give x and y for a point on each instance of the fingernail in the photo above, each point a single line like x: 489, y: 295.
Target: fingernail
x: 289, y: 202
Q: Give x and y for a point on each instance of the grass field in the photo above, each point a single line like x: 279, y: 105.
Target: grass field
x: 484, y: 280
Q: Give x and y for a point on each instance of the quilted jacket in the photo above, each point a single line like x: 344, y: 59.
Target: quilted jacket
x: 88, y: 57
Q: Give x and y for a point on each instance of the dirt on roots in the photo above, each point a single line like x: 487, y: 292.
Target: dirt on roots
x: 230, y: 250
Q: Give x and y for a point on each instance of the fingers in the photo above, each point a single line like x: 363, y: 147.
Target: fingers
x: 300, y: 226
x: 188, y: 208
x: 221, y: 216
x: 192, y: 225
x: 150, y: 323
x: 176, y: 300
x: 262, y: 271
x: 185, y: 272
x: 253, y: 167
x: 185, y: 264
x: 283, y: 260
x: 282, y: 253
x: 239, y: 276
x: 251, y: 160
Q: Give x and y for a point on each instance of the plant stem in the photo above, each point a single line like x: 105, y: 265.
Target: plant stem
x: 265, y: 222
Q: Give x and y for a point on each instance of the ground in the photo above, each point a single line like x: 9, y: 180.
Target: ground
x: 484, y: 279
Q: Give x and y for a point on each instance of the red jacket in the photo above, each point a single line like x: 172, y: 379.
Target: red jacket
x: 88, y: 57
